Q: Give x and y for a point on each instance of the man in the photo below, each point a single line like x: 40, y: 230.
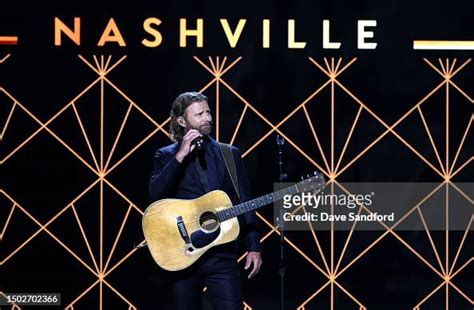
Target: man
x: 183, y: 170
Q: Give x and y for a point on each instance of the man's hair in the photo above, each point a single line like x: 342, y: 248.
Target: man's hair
x: 180, y: 104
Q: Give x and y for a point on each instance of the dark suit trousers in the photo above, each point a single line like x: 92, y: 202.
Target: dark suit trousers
x: 221, y: 276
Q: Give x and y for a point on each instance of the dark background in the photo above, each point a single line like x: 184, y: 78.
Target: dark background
x: 43, y: 177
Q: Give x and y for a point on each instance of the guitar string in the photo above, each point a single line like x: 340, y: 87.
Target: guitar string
x: 195, y: 224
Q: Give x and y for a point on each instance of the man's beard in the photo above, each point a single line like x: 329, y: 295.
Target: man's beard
x: 205, y: 129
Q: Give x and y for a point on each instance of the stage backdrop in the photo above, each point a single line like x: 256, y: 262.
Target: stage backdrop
x: 363, y: 91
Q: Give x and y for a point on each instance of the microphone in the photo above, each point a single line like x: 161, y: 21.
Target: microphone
x: 198, y: 142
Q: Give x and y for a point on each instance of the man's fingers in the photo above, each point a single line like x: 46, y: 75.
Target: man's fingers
x: 253, y: 258
x: 191, y: 136
x: 254, y: 270
x: 191, y: 132
x: 186, y: 144
x: 256, y: 266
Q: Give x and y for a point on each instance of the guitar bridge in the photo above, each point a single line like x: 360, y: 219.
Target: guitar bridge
x: 182, y: 230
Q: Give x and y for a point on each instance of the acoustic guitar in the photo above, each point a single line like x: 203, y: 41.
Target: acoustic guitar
x: 179, y: 231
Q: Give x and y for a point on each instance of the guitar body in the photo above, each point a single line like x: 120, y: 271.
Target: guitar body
x: 180, y: 231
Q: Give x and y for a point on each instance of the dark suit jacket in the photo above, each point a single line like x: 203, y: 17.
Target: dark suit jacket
x: 172, y: 179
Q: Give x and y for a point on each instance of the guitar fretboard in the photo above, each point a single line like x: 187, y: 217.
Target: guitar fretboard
x: 256, y: 203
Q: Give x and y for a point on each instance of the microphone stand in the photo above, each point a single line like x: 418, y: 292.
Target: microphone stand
x: 282, y: 176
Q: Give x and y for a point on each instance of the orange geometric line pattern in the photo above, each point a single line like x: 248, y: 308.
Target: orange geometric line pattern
x: 333, y: 171
x: 99, y: 167
x: 102, y: 162
x: 5, y: 58
x: 332, y: 71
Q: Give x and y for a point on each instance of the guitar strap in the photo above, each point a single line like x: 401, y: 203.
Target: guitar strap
x: 229, y: 161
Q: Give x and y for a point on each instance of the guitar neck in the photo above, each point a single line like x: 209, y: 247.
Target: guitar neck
x: 256, y: 203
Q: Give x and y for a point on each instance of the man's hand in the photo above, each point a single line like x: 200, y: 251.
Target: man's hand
x: 256, y: 259
x: 186, y: 144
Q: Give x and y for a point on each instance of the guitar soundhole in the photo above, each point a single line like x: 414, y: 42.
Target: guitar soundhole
x: 208, y: 221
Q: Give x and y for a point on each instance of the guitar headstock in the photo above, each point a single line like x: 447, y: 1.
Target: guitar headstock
x: 312, y: 182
